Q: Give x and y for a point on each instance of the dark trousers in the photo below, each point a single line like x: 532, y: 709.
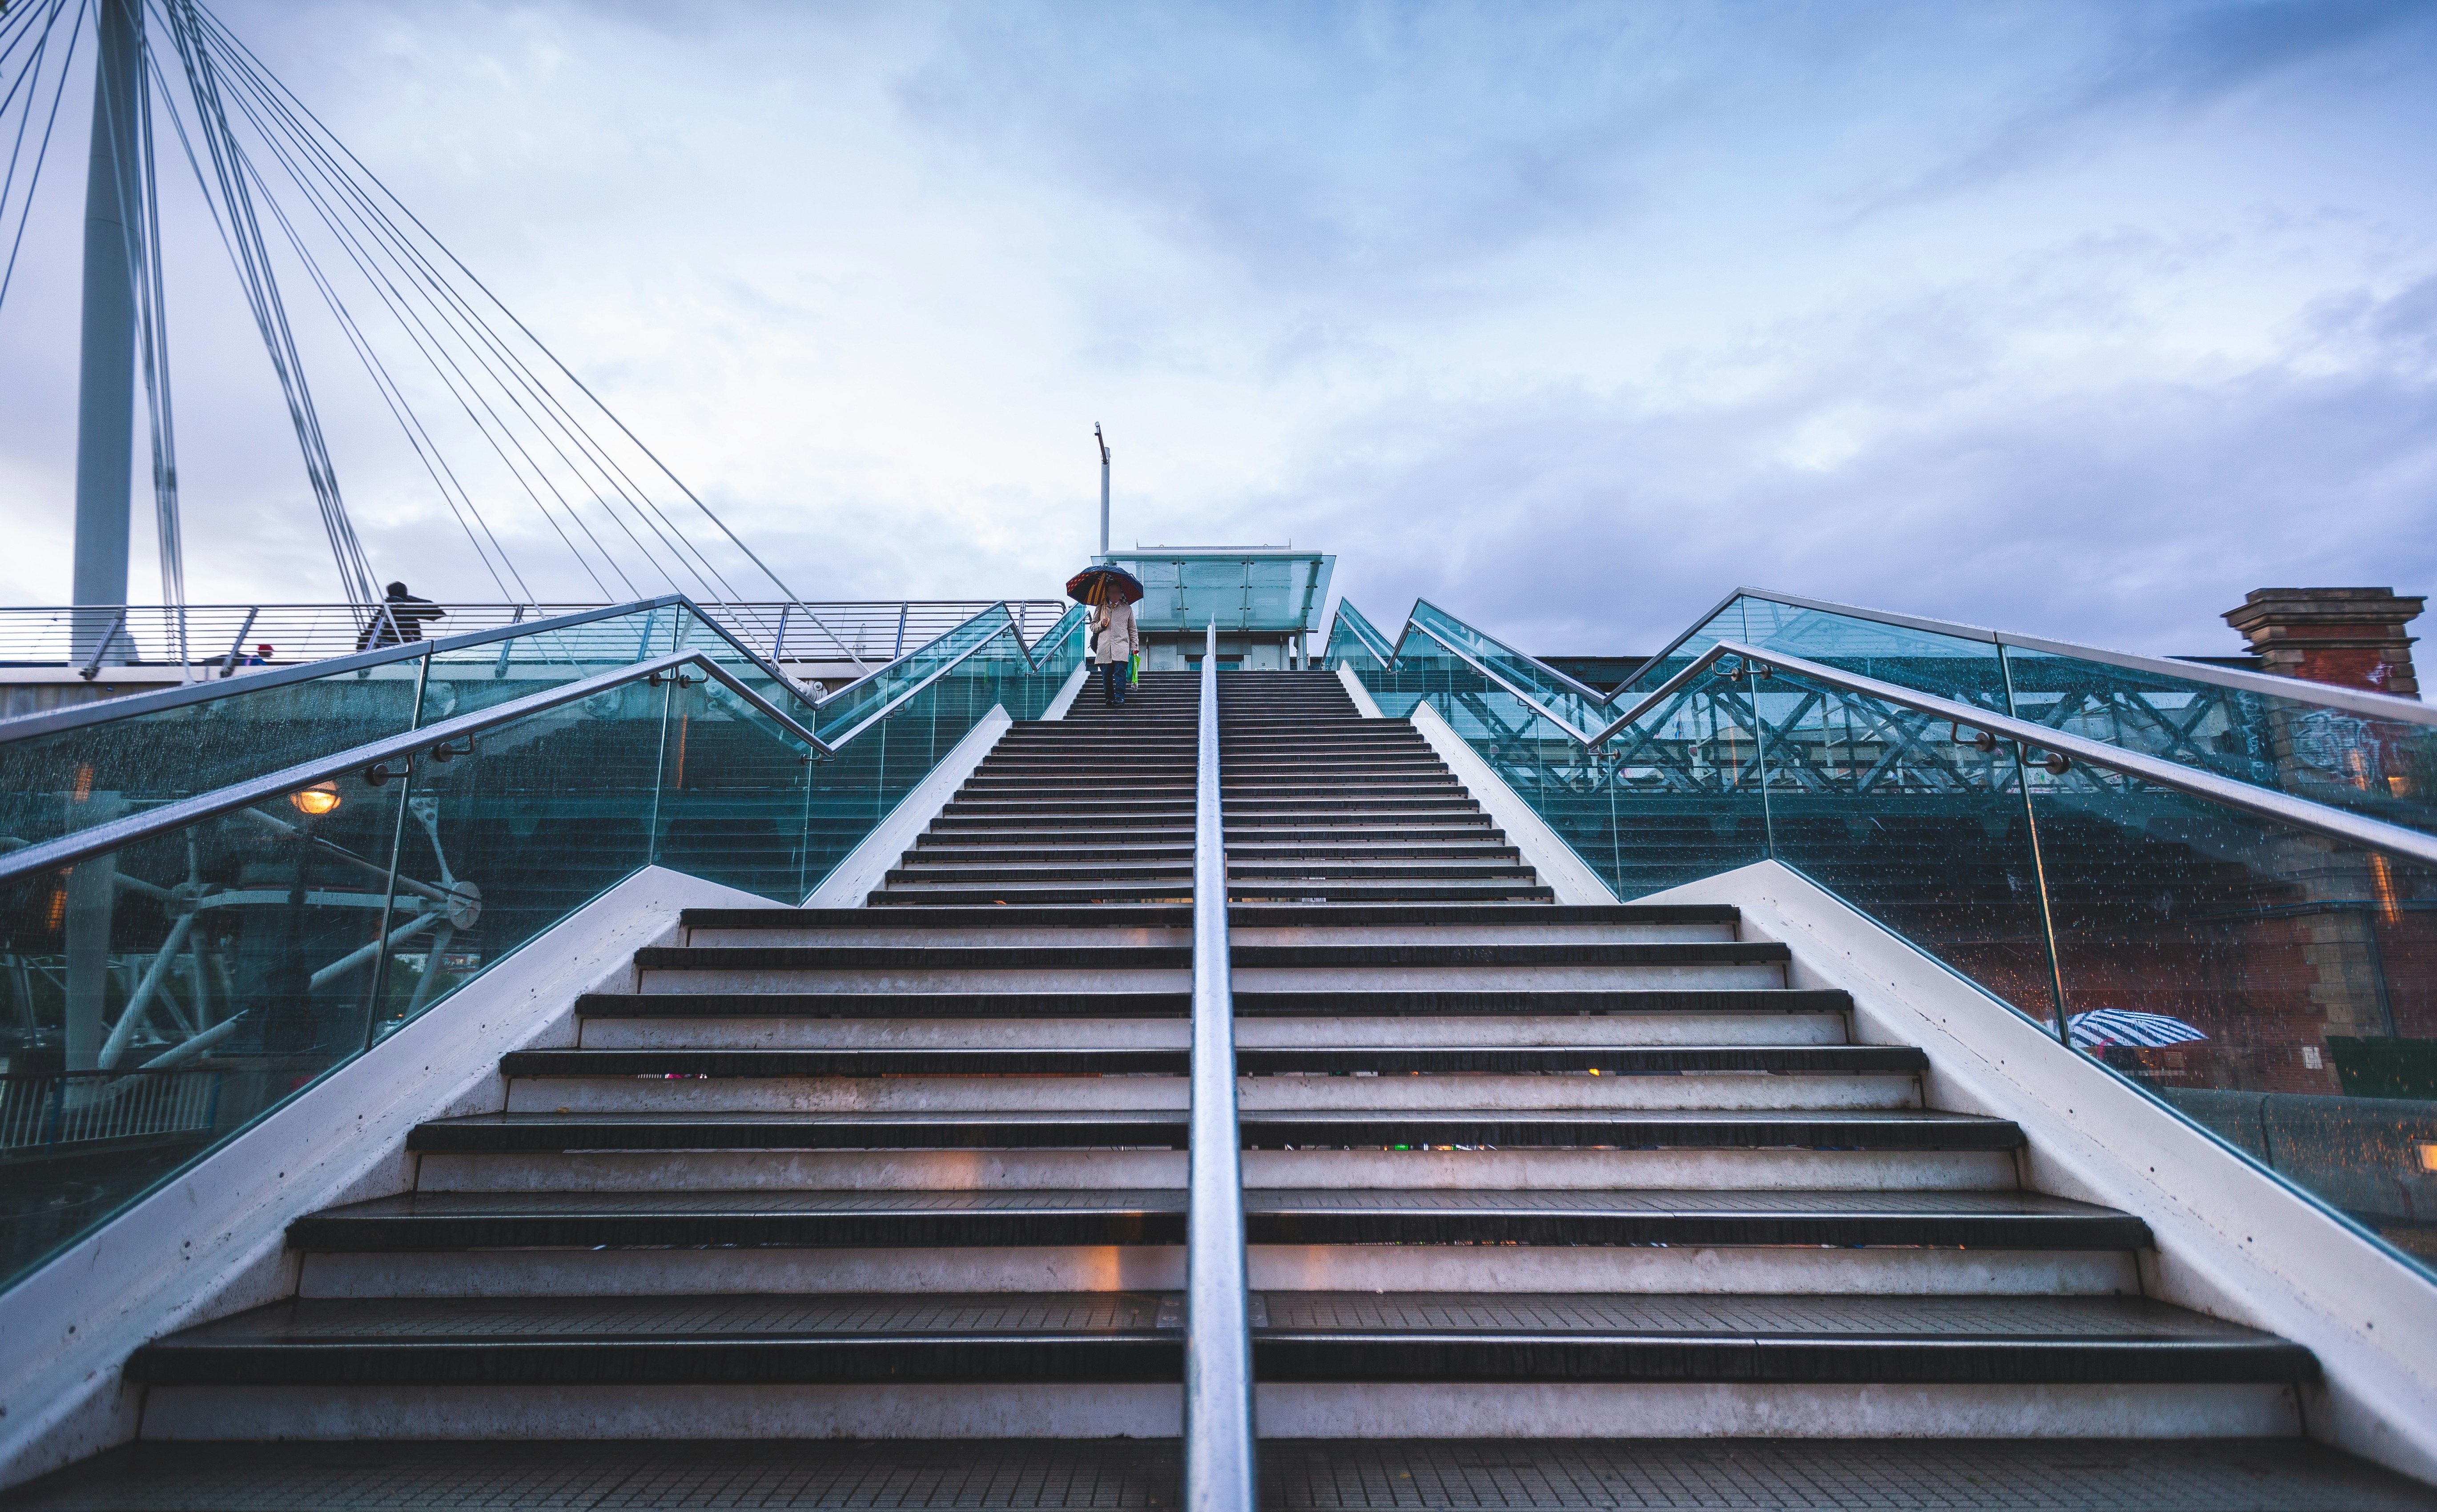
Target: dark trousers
x: 1113, y: 681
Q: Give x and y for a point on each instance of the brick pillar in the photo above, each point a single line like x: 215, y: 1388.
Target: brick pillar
x: 2351, y: 637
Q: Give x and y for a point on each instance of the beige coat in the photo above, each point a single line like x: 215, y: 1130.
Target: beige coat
x: 1114, y: 637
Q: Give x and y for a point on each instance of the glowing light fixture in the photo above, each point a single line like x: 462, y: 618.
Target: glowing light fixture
x: 317, y: 800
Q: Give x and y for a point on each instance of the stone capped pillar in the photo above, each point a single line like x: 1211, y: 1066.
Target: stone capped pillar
x: 2351, y: 637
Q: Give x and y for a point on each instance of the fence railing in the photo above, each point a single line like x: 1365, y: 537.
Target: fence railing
x: 40, y: 1112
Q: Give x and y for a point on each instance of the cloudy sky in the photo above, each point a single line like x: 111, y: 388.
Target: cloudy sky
x: 2080, y: 318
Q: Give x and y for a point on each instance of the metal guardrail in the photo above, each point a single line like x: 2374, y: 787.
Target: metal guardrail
x: 47, y: 1111
x: 215, y: 640
x: 1221, y: 1468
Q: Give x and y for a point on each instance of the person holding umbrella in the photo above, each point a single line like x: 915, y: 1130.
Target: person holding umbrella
x: 1112, y: 593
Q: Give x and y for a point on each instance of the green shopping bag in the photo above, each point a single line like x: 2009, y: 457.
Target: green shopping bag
x: 1133, y: 670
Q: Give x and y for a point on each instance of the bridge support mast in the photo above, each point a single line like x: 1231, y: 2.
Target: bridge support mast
x: 106, y: 372
x: 105, y: 467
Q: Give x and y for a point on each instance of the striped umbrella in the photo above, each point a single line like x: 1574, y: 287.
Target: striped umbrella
x: 2122, y: 1026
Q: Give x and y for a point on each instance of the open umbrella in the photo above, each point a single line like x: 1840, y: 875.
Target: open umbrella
x: 2123, y: 1026
x: 1104, y: 585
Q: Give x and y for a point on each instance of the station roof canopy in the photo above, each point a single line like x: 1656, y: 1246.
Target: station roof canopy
x: 1258, y: 588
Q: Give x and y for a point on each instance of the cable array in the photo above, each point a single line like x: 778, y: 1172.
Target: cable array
x: 449, y: 361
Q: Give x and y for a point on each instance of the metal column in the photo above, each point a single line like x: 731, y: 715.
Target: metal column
x: 106, y: 376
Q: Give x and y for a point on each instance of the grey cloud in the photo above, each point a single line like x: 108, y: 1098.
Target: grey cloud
x: 2125, y: 514
x: 2155, y: 59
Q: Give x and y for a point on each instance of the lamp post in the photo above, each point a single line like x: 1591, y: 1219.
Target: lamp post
x: 1104, y: 486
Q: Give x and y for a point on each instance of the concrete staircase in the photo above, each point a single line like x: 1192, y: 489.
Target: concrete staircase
x: 1515, y: 1171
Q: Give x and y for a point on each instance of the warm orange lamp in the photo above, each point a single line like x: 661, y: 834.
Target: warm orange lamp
x: 317, y: 800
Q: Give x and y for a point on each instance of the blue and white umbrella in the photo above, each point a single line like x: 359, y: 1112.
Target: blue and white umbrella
x: 2122, y: 1026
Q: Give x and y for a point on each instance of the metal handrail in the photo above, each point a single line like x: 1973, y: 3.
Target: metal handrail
x: 166, y: 818
x: 1365, y: 632
x: 938, y: 673
x: 1029, y: 659
x: 2337, y: 824
x: 1220, y: 1468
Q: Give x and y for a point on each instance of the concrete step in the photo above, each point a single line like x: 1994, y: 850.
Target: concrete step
x: 1630, y: 1337
x: 671, y: 1341
x: 1509, y: 1130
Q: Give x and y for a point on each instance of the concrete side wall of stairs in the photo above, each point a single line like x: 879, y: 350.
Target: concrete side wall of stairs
x: 214, y: 1242
x: 2232, y: 1240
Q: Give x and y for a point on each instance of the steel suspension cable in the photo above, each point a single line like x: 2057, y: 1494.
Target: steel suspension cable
x: 43, y: 152
x: 501, y: 356
x: 238, y: 44
x: 433, y: 461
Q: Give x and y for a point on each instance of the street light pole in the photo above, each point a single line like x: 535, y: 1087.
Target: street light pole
x: 1104, y: 486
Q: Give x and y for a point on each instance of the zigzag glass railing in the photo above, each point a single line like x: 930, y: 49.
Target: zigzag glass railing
x: 2265, y: 964
x: 178, y: 961
x: 196, y: 738
x: 2364, y: 752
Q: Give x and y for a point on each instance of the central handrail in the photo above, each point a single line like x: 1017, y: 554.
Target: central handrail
x: 165, y: 818
x: 1220, y: 1470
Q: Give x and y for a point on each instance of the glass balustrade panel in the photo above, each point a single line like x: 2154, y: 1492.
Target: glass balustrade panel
x: 1354, y: 643
x: 56, y: 784
x: 2385, y: 768
x: 1953, y: 666
x: 857, y: 702
x: 734, y: 794
x: 467, y: 679
x: 164, y: 995
x: 1526, y: 675
x: 2277, y: 987
x: 1917, y: 822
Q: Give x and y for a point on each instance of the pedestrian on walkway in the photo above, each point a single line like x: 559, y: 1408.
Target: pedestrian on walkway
x: 399, y: 618
x: 1114, y: 644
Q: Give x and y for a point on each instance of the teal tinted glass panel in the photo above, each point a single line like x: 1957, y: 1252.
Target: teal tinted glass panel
x: 1578, y: 709
x: 500, y: 842
x: 1914, y: 822
x: 2292, y: 977
x: 1673, y: 797
x: 467, y: 679
x: 1356, y: 643
x: 56, y: 784
x: 854, y: 704
x: 734, y: 795
x: 1253, y: 591
x: 167, y: 993
x: 2384, y: 768
x: 1956, y: 667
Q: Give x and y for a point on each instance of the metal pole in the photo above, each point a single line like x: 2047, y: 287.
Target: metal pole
x: 106, y: 373
x: 1104, y: 486
x: 1221, y: 1471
